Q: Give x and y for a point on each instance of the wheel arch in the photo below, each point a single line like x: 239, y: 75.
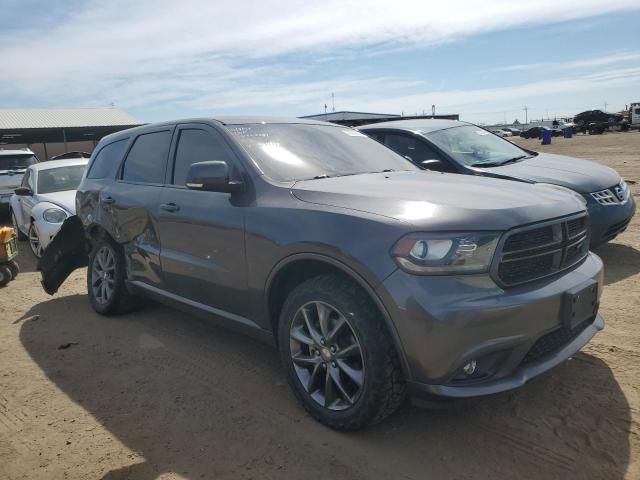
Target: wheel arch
x: 296, y: 268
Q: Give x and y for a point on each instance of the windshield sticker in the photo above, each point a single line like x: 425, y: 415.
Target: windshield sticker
x: 482, y: 132
x: 353, y: 133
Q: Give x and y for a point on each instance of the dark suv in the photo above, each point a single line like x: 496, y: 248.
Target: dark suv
x: 371, y: 276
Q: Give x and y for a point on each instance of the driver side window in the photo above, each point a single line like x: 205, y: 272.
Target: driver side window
x: 196, y: 145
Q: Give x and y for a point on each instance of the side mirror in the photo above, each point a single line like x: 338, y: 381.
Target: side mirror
x: 433, y: 164
x: 23, y: 192
x: 212, y: 176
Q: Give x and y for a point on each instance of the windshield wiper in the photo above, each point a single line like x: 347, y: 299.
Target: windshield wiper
x: 497, y: 164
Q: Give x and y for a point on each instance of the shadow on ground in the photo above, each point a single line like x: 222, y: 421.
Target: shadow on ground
x: 620, y: 261
x: 203, y: 402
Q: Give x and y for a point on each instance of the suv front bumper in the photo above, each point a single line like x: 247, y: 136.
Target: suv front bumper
x: 445, y: 322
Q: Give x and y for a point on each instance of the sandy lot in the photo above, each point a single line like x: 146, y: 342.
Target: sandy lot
x: 159, y: 394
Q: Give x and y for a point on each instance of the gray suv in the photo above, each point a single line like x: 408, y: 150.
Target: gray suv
x: 374, y: 278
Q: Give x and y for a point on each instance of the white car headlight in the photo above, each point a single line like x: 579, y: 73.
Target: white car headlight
x: 446, y: 253
x: 563, y: 189
x: 54, y: 215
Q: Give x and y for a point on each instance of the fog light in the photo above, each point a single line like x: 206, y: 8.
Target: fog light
x: 470, y: 368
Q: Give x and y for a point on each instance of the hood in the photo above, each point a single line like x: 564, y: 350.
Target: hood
x: 66, y: 200
x: 580, y: 175
x: 441, y: 201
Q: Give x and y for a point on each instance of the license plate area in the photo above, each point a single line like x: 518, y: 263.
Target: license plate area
x: 580, y: 304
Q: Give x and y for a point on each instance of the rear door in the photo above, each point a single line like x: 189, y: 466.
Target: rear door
x: 202, y: 233
x: 129, y: 206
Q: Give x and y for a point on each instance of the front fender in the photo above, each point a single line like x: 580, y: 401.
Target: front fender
x: 68, y: 251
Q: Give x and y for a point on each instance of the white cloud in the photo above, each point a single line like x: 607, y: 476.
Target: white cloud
x: 223, y: 55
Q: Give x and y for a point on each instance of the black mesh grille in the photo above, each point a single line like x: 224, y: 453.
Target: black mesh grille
x: 576, y: 227
x: 529, y: 239
x: 526, y: 269
x: 540, y: 251
x: 554, y: 341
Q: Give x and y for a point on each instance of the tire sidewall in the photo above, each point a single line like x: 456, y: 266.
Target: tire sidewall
x: 361, y: 322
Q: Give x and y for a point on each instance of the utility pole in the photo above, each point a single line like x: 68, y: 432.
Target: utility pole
x: 333, y: 102
x: 605, y: 106
x: 433, y: 110
x: 526, y: 115
x: 325, y: 108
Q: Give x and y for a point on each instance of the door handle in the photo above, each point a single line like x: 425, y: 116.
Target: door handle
x: 108, y: 200
x: 169, y: 207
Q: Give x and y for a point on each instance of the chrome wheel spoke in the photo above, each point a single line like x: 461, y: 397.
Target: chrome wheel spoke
x: 354, y: 374
x: 306, y: 360
x: 349, y: 351
x: 323, y: 318
x: 299, y: 335
x: 337, y: 326
x: 335, y: 376
x: 313, y: 332
x: 313, y: 377
x: 103, y: 275
x: 329, y: 391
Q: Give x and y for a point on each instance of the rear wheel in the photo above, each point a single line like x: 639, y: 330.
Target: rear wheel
x: 339, y: 358
x: 106, y: 276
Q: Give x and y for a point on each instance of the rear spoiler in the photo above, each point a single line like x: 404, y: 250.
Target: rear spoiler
x: 66, y: 252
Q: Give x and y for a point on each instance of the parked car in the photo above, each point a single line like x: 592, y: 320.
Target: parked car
x: 536, y: 132
x: 372, y: 277
x: 514, y: 131
x: 451, y: 146
x: 73, y: 154
x: 596, y: 122
x: 13, y: 164
x: 45, y: 198
x: 501, y: 133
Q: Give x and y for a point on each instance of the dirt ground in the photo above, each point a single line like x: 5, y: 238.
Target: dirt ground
x: 159, y: 394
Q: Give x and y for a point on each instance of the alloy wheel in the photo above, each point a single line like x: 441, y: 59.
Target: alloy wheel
x: 103, y: 273
x: 34, y: 241
x: 327, y: 356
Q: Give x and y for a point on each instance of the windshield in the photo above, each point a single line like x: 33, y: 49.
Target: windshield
x: 289, y: 152
x: 474, y: 146
x: 60, y: 179
x: 16, y: 162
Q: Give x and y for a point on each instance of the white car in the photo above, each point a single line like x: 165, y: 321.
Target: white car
x: 45, y: 198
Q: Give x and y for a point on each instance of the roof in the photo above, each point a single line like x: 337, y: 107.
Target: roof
x: 19, y: 118
x: 422, y: 125
x: 241, y: 120
x: 346, y: 115
x: 17, y: 151
x: 59, y: 163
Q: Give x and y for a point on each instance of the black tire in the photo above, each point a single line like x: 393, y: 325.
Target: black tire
x: 5, y: 275
x: 21, y: 236
x: 383, y: 389
x: 120, y: 300
x: 14, y: 267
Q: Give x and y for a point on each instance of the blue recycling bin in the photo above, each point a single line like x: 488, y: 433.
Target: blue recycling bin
x: 568, y: 132
x: 546, y: 136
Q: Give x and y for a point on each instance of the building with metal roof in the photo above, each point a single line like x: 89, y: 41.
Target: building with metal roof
x: 354, y: 119
x: 52, y: 130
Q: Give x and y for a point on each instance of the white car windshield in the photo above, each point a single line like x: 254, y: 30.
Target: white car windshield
x: 60, y: 179
x: 476, y: 147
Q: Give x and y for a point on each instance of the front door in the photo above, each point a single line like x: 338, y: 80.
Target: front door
x: 202, y: 233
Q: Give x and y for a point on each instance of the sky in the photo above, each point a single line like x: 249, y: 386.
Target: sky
x: 168, y: 59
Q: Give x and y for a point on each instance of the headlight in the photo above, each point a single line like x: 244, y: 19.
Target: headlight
x: 563, y: 189
x: 446, y: 253
x: 54, y: 215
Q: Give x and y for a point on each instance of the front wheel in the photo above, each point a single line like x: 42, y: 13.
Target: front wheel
x: 34, y: 241
x: 338, y: 356
x: 106, y: 276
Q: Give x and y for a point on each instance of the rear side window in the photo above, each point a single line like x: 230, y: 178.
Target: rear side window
x: 147, y: 158
x: 196, y: 145
x: 108, y: 159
